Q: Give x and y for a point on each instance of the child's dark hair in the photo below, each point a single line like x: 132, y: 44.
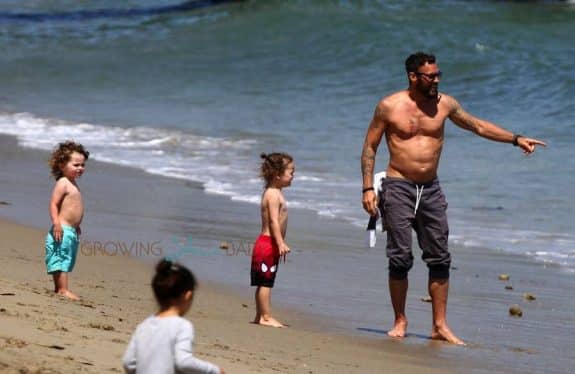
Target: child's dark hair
x: 61, y: 155
x: 274, y: 164
x: 171, y: 281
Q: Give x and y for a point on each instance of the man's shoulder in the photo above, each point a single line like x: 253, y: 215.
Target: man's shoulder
x: 447, y: 100
x: 388, y: 104
x: 394, y: 98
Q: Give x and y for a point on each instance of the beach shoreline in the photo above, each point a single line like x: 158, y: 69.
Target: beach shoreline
x: 346, y: 308
x: 43, y: 329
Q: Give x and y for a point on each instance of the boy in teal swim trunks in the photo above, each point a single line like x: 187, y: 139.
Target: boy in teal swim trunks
x: 66, y: 211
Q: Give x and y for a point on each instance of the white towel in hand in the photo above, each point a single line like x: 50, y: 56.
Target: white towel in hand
x: 371, y: 225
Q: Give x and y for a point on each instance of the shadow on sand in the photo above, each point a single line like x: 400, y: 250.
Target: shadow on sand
x: 384, y: 332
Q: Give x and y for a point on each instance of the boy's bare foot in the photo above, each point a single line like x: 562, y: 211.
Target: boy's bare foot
x: 445, y: 333
x: 68, y: 294
x: 398, y: 330
x: 271, y: 322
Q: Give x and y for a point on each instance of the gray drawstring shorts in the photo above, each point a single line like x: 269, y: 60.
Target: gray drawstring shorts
x: 422, y: 207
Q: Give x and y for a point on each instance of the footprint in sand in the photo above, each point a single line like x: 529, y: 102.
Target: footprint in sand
x: 51, y: 326
x: 5, y: 312
x: 101, y: 326
x: 36, y: 370
x: 23, y: 258
x: 28, y: 305
x: 221, y: 346
x: 14, y: 342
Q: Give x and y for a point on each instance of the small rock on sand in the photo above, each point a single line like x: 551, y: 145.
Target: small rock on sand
x: 503, y: 277
x: 515, y: 311
x: 528, y: 296
x: 509, y: 287
x: 426, y: 299
x: 224, y: 245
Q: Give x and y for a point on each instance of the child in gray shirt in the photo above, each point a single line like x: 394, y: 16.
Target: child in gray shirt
x: 162, y: 343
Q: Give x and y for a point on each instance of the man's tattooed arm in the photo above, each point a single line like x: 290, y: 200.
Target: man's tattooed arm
x: 372, y: 140
x: 479, y: 126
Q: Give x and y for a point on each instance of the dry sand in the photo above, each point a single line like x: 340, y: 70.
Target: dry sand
x: 44, y: 333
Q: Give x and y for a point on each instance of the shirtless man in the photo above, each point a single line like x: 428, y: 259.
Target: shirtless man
x: 413, y: 123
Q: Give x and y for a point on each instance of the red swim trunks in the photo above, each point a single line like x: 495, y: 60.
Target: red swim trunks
x: 265, y: 260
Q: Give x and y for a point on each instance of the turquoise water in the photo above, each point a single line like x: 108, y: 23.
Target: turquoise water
x: 198, y: 95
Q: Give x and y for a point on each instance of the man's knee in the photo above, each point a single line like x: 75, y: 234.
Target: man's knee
x: 398, y: 268
x: 438, y: 263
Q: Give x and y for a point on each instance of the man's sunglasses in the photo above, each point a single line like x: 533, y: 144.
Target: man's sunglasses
x: 430, y: 77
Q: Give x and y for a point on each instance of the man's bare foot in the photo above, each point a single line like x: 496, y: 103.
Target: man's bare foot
x: 445, y: 333
x: 270, y: 321
x: 68, y: 294
x: 398, y: 330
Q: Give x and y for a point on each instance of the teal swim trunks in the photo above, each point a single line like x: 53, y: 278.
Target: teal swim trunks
x: 61, y: 256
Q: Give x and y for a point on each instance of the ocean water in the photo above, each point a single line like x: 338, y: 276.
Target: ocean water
x: 198, y: 95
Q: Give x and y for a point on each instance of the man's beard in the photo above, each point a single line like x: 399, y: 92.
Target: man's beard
x: 431, y: 91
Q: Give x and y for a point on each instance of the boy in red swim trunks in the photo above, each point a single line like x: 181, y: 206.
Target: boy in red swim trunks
x: 277, y: 170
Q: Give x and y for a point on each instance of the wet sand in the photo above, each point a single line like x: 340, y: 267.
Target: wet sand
x: 45, y: 333
x: 332, y: 290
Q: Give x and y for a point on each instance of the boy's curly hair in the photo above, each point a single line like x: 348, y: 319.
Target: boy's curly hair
x: 61, y: 155
x: 273, y: 165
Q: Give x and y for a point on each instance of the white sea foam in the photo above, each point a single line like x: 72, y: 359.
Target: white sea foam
x: 558, y: 248
x: 224, y: 166
x: 229, y: 167
x: 308, y: 178
x: 480, y: 47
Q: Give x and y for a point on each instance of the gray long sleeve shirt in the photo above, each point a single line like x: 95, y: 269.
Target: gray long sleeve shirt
x: 163, y: 345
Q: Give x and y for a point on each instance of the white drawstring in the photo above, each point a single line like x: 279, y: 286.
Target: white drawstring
x: 418, y: 194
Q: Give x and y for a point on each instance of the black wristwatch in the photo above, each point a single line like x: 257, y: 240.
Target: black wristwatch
x: 516, y: 138
x: 367, y: 189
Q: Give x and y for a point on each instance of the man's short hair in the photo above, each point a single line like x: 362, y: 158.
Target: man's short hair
x: 414, y: 61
